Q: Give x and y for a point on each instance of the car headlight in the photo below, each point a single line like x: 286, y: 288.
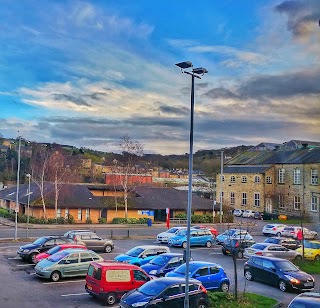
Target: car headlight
x: 153, y: 272
x: 292, y: 279
x: 139, y: 304
x: 25, y: 250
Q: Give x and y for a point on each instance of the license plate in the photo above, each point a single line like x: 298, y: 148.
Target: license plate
x: 308, y: 284
x: 89, y: 287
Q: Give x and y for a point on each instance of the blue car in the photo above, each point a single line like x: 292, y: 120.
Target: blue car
x: 198, y: 237
x: 164, y: 263
x: 211, y: 275
x: 166, y: 292
x: 140, y: 255
x: 233, y: 234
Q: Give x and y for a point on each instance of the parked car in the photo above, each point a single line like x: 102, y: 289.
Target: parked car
x: 211, y: 275
x: 278, y: 272
x: 140, y: 255
x: 233, y: 234
x: 273, y: 229
x: 92, y: 241
x: 287, y: 242
x: 237, y: 212
x: 258, y: 215
x: 164, y: 236
x: 248, y: 214
x: 29, y: 252
x: 108, y: 281
x: 55, y: 249
x: 213, y: 231
x: 292, y: 231
x: 66, y: 263
x: 164, y: 263
x: 166, y: 292
x: 306, y: 300
x: 198, y: 237
x: 236, y: 246
x: 311, y: 250
x: 272, y: 250
x: 71, y: 232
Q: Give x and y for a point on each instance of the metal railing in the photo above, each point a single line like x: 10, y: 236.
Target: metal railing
x: 178, y: 221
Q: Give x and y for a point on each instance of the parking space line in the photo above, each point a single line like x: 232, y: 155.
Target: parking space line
x: 74, y: 294
x: 22, y: 265
x: 32, y: 274
x: 14, y: 258
x: 68, y: 281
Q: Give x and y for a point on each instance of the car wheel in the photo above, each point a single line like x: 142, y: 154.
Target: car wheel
x: 184, y: 245
x: 108, y: 248
x: 298, y: 258
x: 32, y: 258
x: 240, y: 254
x: 282, y: 286
x: 55, y: 276
x: 248, y: 275
x: 202, y: 305
x: 278, y: 234
x: 224, y: 252
x: 111, y: 298
x: 208, y: 244
x: 224, y: 287
x: 317, y: 258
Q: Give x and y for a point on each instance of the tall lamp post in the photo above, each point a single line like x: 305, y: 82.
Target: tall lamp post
x: 28, y: 207
x: 16, y: 210
x: 187, y: 68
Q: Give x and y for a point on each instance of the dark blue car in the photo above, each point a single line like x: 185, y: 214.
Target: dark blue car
x: 163, y: 264
x: 168, y: 292
x: 211, y: 275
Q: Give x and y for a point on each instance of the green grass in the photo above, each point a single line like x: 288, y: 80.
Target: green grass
x: 226, y: 300
x: 310, y: 267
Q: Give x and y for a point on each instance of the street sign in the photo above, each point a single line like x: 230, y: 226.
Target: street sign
x: 167, y: 210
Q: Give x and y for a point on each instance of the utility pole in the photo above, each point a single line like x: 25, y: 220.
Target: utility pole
x: 221, y: 189
x: 16, y: 210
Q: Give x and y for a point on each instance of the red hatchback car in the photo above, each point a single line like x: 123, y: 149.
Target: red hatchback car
x: 55, y: 249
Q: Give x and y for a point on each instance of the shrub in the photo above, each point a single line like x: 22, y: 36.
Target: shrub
x: 183, y: 216
x: 61, y: 220
x: 23, y: 218
x: 200, y: 218
x: 88, y: 221
x: 70, y: 219
x: 51, y: 221
x: 102, y: 220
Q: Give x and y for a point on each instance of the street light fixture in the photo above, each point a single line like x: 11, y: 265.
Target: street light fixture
x: 194, y: 72
x: 28, y: 215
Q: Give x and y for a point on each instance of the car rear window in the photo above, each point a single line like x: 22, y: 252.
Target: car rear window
x: 258, y: 246
x: 272, y: 240
x: 269, y: 226
x: 94, y: 272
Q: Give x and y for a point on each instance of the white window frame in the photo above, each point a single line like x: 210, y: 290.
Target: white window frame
x: 87, y: 213
x: 232, y: 179
x: 315, y: 203
x: 314, y: 177
x: 232, y: 198
x: 268, y: 180
x: 297, y: 176
x: 257, y: 179
x: 281, y: 174
x: 244, y: 199
x: 281, y: 201
x: 80, y: 214
x: 244, y: 179
x: 297, y: 203
x: 256, y: 199
x: 58, y: 212
x: 66, y: 213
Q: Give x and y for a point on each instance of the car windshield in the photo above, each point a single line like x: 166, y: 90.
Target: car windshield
x: 160, y: 260
x: 40, y: 241
x: 53, y: 250
x: 182, y: 268
x: 172, y: 230
x: 229, y: 232
x: 311, y: 245
x: 286, y: 266
x: 182, y: 232
x: 152, y: 288
x: 272, y: 240
x: 259, y: 246
x: 134, y: 252
x: 58, y: 256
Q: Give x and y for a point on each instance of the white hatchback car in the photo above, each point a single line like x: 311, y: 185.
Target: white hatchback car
x: 163, y: 237
x: 273, y: 229
x: 248, y: 214
x: 237, y: 212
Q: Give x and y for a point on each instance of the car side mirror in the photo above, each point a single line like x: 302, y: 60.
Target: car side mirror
x: 197, y: 275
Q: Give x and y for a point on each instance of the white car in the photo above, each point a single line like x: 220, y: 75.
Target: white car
x: 248, y: 214
x: 163, y: 237
x: 273, y: 229
x: 292, y: 231
x: 237, y: 212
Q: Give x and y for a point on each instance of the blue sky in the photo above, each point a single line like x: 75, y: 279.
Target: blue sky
x: 85, y: 73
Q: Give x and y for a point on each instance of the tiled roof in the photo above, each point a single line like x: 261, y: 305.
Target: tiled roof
x: 246, y: 169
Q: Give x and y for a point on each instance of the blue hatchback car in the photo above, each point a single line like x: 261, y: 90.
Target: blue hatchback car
x: 198, y: 237
x: 164, y: 263
x: 211, y: 275
x: 140, y: 255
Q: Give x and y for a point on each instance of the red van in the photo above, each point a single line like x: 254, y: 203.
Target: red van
x: 109, y: 280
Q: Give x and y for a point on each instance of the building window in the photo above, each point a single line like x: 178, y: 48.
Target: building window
x: 314, y: 176
x: 314, y: 203
x: 257, y: 179
x: 79, y: 214
x: 244, y: 179
x: 268, y: 179
x: 232, y: 198
x: 297, y: 203
x: 58, y: 212
x: 222, y: 178
x: 281, y: 201
x: 244, y: 199
x: 232, y: 179
x: 256, y: 199
x: 87, y: 213
x: 296, y: 176
x: 66, y: 213
x: 281, y: 173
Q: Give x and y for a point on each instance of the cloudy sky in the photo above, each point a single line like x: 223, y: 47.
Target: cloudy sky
x: 85, y: 73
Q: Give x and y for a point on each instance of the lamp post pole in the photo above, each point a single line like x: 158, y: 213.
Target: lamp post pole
x: 193, y: 73
x: 28, y: 207
x: 16, y: 210
x: 221, y: 191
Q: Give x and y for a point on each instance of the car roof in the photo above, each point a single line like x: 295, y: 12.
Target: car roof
x: 173, y: 280
x: 114, y: 264
x: 204, y: 263
x: 270, y: 258
x: 74, y: 250
x: 172, y: 254
x: 151, y: 247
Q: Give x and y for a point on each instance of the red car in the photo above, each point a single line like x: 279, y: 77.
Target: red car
x: 213, y: 231
x: 55, y: 249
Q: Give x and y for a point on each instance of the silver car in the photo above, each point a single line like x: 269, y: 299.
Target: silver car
x: 293, y: 232
x: 272, y: 250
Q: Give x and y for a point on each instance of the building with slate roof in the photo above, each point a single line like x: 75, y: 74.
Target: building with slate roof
x: 283, y: 180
